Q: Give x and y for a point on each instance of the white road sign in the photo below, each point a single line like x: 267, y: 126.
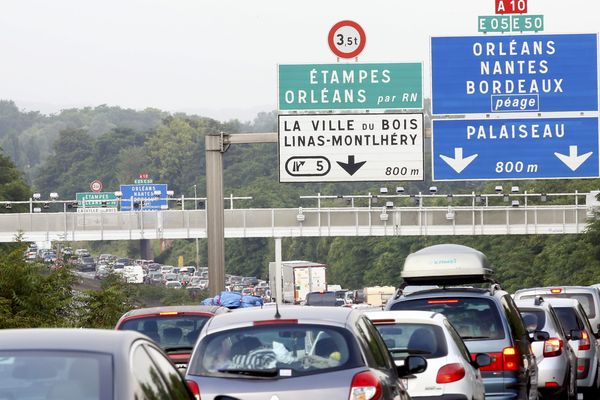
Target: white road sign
x: 350, y: 147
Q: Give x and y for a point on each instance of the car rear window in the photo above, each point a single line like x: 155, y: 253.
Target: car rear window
x: 55, y: 375
x: 404, y: 339
x: 534, y: 320
x: 585, y: 299
x: 568, y: 318
x: 324, y: 299
x: 277, y: 351
x: 169, y: 331
x: 474, y: 318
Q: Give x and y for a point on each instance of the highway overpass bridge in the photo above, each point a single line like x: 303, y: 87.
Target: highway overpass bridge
x: 475, y: 219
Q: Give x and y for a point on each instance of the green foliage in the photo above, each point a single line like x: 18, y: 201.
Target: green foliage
x: 103, y: 308
x: 31, y: 296
x: 12, y: 184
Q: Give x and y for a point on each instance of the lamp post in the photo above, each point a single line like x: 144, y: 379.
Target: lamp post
x: 197, y: 245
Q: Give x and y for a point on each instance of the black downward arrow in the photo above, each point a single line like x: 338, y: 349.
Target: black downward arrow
x: 351, y: 167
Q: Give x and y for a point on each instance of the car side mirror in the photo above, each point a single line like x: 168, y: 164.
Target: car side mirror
x: 574, y: 334
x: 482, y: 360
x: 412, y: 365
x: 539, y: 336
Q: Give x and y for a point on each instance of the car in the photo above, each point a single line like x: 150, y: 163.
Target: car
x: 187, y: 270
x: 296, y: 352
x: 82, y: 253
x: 86, y: 264
x: 50, y: 257
x: 174, y: 328
x: 327, y: 299
x: 124, y: 260
x: 69, y: 364
x: 165, y: 269
x: 556, y: 359
x: 588, y: 297
x: 486, y: 318
x: 30, y: 256
x: 67, y: 252
x: 102, y: 271
x: 451, y: 371
x: 578, y: 330
x: 154, y: 277
x: 173, y: 285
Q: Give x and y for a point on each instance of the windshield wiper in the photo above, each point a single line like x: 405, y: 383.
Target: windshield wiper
x: 251, y: 372
x: 475, y: 337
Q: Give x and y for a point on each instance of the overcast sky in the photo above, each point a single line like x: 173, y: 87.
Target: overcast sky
x: 217, y: 58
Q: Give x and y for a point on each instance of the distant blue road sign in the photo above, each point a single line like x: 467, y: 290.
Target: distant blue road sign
x: 483, y: 74
x: 515, y: 149
x: 143, y: 193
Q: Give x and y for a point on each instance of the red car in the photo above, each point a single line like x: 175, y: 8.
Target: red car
x: 174, y: 328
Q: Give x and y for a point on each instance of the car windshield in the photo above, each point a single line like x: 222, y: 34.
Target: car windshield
x: 474, y: 318
x: 170, y: 332
x: 55, y: 375
x: 280, y: 350
x: 404, y: 339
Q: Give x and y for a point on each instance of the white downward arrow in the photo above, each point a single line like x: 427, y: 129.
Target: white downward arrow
x: 458, y: 163
x: 573, y: 161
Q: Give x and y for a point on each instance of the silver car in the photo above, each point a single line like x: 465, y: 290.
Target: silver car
x: 574, y: 321
x: 77, y: 364
x: 556, y: 359
x: 588, y: 297
x: 296, y: 352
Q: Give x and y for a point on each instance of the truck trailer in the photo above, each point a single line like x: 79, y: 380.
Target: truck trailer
x: 298, y: 279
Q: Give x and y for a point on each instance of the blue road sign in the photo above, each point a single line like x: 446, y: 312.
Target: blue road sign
x: 515, y: 149
x: 483, y: 74
x: 142, y: 198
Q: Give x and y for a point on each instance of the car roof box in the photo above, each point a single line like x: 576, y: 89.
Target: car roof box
x: 447, y: 264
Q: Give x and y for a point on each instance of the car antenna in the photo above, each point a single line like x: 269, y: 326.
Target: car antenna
x: 277, y: 315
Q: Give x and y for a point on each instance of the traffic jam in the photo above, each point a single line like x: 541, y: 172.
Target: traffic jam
x: 449, y: 332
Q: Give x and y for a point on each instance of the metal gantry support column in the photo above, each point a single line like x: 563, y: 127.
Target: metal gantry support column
x: 215, y: 229
x: 216, y: 145
x: 278, y: 289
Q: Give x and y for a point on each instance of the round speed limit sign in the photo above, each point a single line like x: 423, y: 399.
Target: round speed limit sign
x: 347, y: 39
x: 96, y: 186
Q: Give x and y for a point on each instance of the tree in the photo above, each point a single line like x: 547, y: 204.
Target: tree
x: 175, y: 152
x: 31, y: 296
x: 103, y: 308
x: 66, y: 171
x: 12, y: 185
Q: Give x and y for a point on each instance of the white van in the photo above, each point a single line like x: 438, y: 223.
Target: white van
x: 133, y: 274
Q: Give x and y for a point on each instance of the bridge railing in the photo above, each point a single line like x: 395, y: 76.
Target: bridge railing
x: 298, y: 222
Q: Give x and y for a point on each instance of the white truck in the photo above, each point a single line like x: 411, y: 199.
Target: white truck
x: 298, y: 279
